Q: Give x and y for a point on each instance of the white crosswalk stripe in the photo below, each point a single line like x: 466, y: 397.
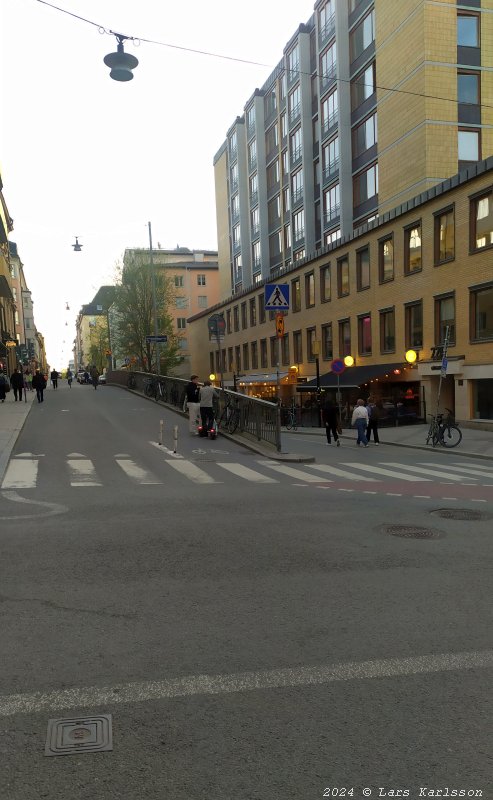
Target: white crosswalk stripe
x: 292, y: 473
x: 192, y: 472
x: 22, y: 473
x: 474, y: 471
x: 136, y: 473
x: 82, y: 472
x: 437, y: 473
x: 247, y: 473
x: 387, y: 472
x: 341, y: 473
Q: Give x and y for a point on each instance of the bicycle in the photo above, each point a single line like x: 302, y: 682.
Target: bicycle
x: 444, y: 430
x: 230, y: 417
x: 291, y: 420
x: 131, y: 381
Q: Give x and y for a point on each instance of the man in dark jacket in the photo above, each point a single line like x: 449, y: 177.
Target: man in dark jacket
x: 39, y: 384
x: 192, y: 392
x: 17, y: 383
x: 330, y: 417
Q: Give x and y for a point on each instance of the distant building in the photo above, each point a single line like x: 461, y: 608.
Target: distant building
x: 92, y: 339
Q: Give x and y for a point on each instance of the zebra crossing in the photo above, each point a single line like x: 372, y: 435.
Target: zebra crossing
x: 24, y: 470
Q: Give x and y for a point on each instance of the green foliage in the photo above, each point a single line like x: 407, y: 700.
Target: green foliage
x: 134, y: 316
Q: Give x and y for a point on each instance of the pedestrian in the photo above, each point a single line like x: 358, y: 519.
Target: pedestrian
x: 360, y: 421
x: 330, y: 417
x: 94, y: 376
x: 29, y: 380
x: 4, y: 386
x: 70, y: 376
x: 192, y: 395
x: 17, y: 383
x: 39, y: 383
x: 374, y: 413
x: 207, y: 395
x: 54, y: 378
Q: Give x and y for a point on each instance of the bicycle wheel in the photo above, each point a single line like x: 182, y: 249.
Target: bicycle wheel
x: 149, y: 389
x: 289, y: 422
x: 450, y: 436
x: 233, y: 421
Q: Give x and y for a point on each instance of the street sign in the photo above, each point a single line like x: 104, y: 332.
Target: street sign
x: 156, y: 339
x: 276, y: 296
x: 127, y: 360
x: 443, y: 369
x: 338, y: 366
x: 216, y: 324
x: 280, y: 325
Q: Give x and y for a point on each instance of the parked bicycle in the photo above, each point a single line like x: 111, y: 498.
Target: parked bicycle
x: 230, y: 417
x: 444, y: 430
x: 292, y: 419
x: 131, y: 381
x: 155, y: 388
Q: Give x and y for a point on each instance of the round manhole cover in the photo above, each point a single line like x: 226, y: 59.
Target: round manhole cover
x: 467, y: 514
x: 412, y: 531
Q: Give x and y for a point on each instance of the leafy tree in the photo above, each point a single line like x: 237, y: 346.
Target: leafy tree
x: 133, y: 309
x: 99, y: 342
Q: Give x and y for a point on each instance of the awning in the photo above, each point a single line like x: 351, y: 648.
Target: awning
x: 261, y: 377
x: 352, y: 377
x: 5, y: 290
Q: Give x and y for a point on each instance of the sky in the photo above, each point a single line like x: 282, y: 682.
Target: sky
x: 84, y: 155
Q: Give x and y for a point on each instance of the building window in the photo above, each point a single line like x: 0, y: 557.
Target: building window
x: 254, y: 352
x: 235, y: 206
x: 228, y: 320
x: 255, y: 221
x: 252, y: 154
x: 365, y: 185
x: 274, y: 211
x: 330, y: 106
x: 325, y: 284
x: 362, y: 36
x: 297, y: 347
x: 296, y: 145
x: 363, y: 86
x: 246, y: 360
x: 414, y: 325
x: 286, y: 200
x: 274, y: 351
x: 328, y: 65
x: 294, y: 103
x: 333, y: 236
x: 482, y: 222
x: 233, y: 146
x: 363, y: 268
x: 445, y: 318
x: 332, y: 203
x: 273, y: 175
x: 344, y: 338
x: 327, y: 345
x: 256, y: 255
x: 181, y: 323
x: 272, y: 139
x: 253, y: 313
x: 236, y: 319
x: 468, y: 148
x: 444, y: 236
x: 482, y: 313
x: 299, y: 254
x: 285, y: 350
x: 244, y: 321
x: 299, y: 225
x: 237, y: 270
x: 468, y: 30
x: 297, y: 186
x: 263, y: 354
x: 236, y: 236
x: 181, y: 302
x: 275, y: 246
x: 343, y: 276
x: 296, y: 295
x: 253, y: 188
x: 365, y: 136
x: 364, y: 335
x: 387, y: 331
x: 386, y: 259
x: 287, y: 237
x: 179, y: 281
x: 310, y: 290
x: 261, y: 309
x: 237, y: 364
x: 230, y: 362
x: 468, y: 88
x: 202, y: 301
x: 293, y: 62
x: 412, y: 249
x: 310, y: 343
x: 201, y: 280
x: 330, y: 157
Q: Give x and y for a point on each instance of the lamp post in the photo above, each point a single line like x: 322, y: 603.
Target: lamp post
x: 154, y: 305
x: 316, y: 353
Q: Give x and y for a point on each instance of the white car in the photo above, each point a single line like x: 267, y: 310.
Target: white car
x: 102, y: 378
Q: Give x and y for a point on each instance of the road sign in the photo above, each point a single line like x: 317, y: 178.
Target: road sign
x: 443, y: 369
x: 217, y: 325
x: 280, y: 325
x: 338, y: 366
x: 156, y: 339
x: 127, y: 360
x: 276, y: 296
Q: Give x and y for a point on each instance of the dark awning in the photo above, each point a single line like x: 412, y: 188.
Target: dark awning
x: 352, y: 377
x: 5, y: 290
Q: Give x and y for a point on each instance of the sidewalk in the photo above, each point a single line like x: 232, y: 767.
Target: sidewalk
x: 12, y: 417
x: 477, y: 444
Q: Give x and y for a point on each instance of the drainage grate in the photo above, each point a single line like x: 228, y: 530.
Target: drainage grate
x: 460, y: 513
x: 411, y: 531
x: 76, y: 735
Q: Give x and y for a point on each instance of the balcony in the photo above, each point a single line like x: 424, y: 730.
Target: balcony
x: 327, y: 30
x: 328, y: 77
x: 330, y: 171
x: 332, y: 214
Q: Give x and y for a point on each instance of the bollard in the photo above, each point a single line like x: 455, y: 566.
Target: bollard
x: 175, y: 438
x: 161, y: 425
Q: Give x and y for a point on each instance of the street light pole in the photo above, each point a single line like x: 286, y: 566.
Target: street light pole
x: 154, y: 306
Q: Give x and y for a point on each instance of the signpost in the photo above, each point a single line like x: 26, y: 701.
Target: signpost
x: 443, y: 367
x: 155, y: 340
x: 276, y: 297
x: 338, y: 366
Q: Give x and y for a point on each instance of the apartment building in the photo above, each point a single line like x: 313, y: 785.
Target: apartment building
x: 393, y: 284
x: 372, y: 103
x: 7, y: 305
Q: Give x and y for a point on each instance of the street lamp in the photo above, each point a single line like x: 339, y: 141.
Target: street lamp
x: 121, y: 64
x: 411, y: 356
x: 348, y: 361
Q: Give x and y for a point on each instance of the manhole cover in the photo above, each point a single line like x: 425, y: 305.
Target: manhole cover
x: 79, y: 735
x: 460, y: 513
x: 412, y: 532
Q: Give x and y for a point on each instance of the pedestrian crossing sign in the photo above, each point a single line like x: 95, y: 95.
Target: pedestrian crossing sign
x: 276, y: 296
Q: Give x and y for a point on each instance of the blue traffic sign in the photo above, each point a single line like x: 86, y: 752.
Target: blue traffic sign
x: 338, y: 366
x: 276, y: 296
x: 156, y: 339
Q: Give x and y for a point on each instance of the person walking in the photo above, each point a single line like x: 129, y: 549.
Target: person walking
x: 70, y: 377
x: 4, y: 387
x: 39, y: 384
x: 192, y: 392
x: 360, y: 421
x: 374, y: 414
x: 29, y: 379
x: 330, y: 417
x: 94, y: 376
x: 207, y: 395
x: 17, y: 383
x: 54, y: 378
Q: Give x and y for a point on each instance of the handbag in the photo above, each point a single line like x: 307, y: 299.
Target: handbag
x: 339, y: 428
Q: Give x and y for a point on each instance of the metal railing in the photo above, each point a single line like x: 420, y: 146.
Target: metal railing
x: 257, y: 420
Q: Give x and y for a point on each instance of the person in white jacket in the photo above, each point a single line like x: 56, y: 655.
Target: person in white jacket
x: 360, y: 420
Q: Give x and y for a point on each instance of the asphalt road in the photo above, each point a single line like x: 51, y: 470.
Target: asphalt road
x: 253, y: 628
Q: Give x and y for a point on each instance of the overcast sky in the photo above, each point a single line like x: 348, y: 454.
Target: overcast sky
x: 84, y: 155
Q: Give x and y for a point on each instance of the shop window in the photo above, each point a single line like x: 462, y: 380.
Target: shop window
x: 482, y: 222
x: 482, y: 314
x: 483, y: 398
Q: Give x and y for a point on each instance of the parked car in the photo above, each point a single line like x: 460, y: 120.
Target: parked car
x: 80, y: 376
x: 102, y: 378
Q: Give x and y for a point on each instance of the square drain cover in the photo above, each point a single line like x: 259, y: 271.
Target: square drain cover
x: 79, y: 735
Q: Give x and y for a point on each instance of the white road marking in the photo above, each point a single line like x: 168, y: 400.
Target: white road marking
x: 136, y: 473
x: 21, y: 474
x: 247, y: 473
x: 346, y: 490
x: 435, y: 473
x: 449, y: 498
x: 475, y: 500
x: 393, y: 494
x: 292, y: 473
x: 82, y: 472
x: 369, y: 492
x: 163, y: 449
x: 287, y: 678
x: 75, y: 455
x: 342, y: 473
x: 389, y: 473
x: 422, y: 496
x: 472, y: 470
x: 192, y: 472
x: 52, y: 508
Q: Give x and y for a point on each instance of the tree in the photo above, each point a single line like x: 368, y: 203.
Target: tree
x: 99, y: 342
x: 134, y: 315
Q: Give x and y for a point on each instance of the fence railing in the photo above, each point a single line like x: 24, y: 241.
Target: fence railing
x: 255, y: 420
